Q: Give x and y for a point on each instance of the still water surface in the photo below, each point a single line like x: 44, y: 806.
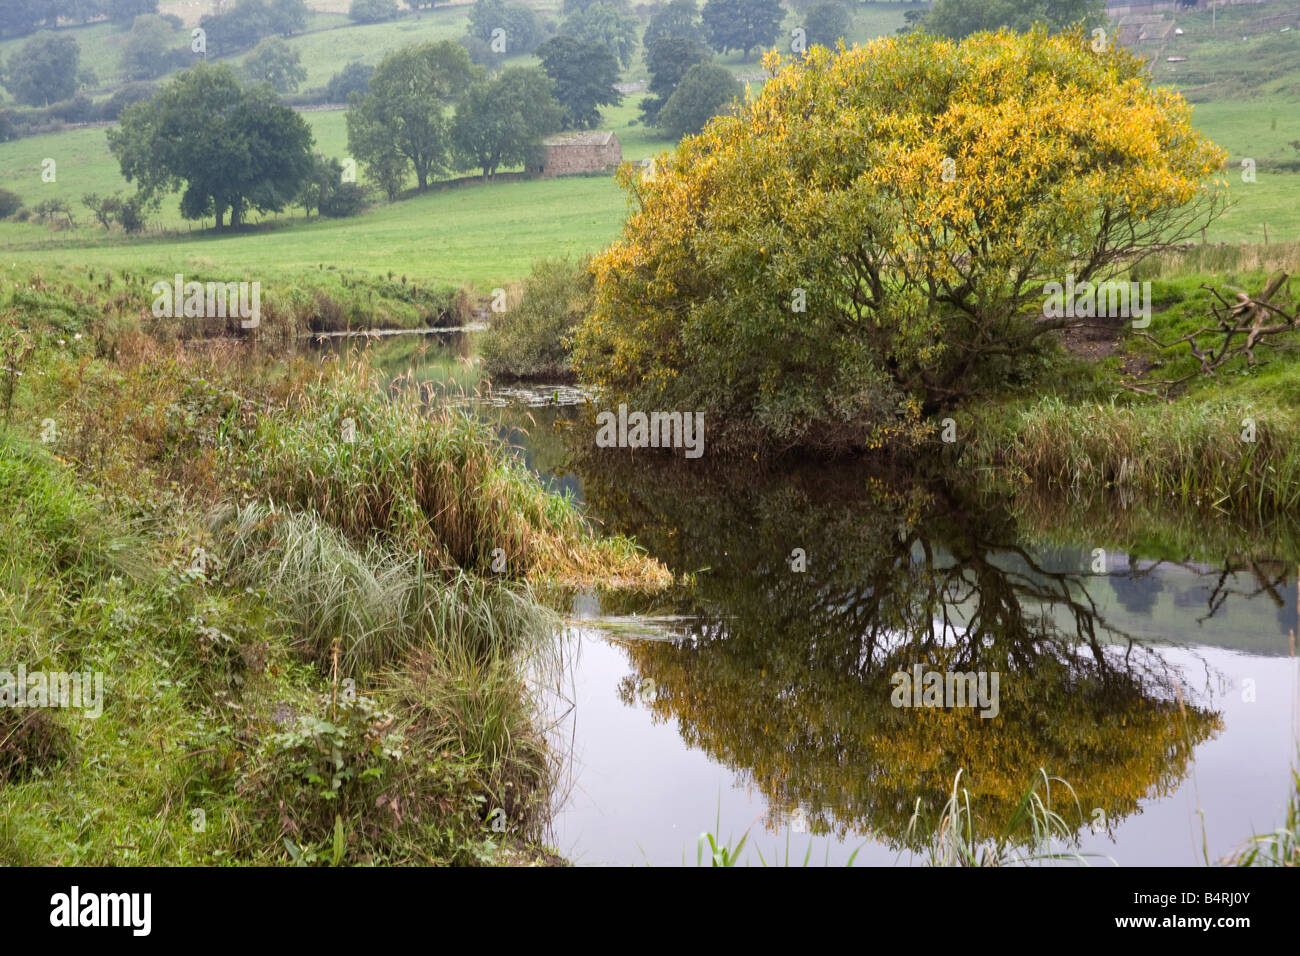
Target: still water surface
x: 1143, y: 655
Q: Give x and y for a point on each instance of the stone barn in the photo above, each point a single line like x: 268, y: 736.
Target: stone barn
x: 566, y: 154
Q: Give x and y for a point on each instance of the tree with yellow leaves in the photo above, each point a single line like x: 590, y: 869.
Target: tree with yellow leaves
x: 867, y: 242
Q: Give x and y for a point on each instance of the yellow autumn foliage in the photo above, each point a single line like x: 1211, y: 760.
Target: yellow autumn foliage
x: 876, y: 226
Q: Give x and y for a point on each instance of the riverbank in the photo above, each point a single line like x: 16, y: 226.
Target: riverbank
x: 320, y: 588
x: 1101, y: 417
x: 312, y: 610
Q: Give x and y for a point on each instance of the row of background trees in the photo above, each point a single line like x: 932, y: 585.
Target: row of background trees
x: 428, y: 109
x: 46, y: 70
x: 497, y: 29
x: 250, y: 19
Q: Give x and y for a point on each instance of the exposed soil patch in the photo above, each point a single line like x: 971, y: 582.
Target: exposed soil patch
x: 1103, y: 337
x: 1098, y: 340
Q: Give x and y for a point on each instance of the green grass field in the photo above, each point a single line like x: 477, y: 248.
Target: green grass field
x: 489, y: 234
x: 1235, y: 52
x: 338, y: 41
x: 483, y: 235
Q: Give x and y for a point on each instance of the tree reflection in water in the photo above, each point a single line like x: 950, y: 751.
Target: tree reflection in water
x: 785, y: 675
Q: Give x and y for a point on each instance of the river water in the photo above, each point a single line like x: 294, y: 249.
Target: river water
x: 1144, y: 657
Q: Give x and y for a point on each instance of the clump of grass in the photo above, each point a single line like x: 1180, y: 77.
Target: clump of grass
x: 1191, y: 452
x: 720, y: 853
x: 207, y: 701
x: 955, y: 840
x: 377, y: 603
x: 443, y: 747
x: 1223, y: 257
x: 461, y: 310
x: 434, y: 481
x: 318, y: 790
x: 1282, y: 846
x: 453, y: 700
x: 31, y: 742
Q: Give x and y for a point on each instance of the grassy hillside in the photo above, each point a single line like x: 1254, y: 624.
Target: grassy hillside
x: 490, y: 234
x: 331, y: 40
x: 483, y: 234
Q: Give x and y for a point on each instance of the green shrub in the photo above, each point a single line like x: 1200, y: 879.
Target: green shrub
x: 372, y: 11
x: 347, y: 200
x: 10, y: 203
x: 532, y: 341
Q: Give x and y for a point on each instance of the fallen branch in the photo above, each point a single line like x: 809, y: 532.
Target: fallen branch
x: 1243, y: 324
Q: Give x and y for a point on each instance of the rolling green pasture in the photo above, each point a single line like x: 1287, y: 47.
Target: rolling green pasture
x: 479, y: 234
x: 339, y: 41
x: 482, y: 234
x: 488, y: 234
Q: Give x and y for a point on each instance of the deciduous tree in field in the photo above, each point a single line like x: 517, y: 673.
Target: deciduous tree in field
x: 372, y: 11
x: 405, y: 113
x: 43, y: 70
x: 522, y: 31
x: 230, y: 148
x: 498, y: 120
x: 145, y: 55
x: 603, y: 23
x: 680, y: 18
x: 827, y: 23
x: 868, y: 242
x: 274, y: 61
x: 287, y: 17
x: 742, y: 24
x: 668, y: 60
x: 584, y: 75
x: 706, y: 90
x: 353, y: 78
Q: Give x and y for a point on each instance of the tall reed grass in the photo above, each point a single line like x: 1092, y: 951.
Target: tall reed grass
x: 428, y: 480
x: 1190, y: 453
x: 955, y: 840
x: 1280, y: 847
x: 378, y: 603
x: 1220, y: 258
